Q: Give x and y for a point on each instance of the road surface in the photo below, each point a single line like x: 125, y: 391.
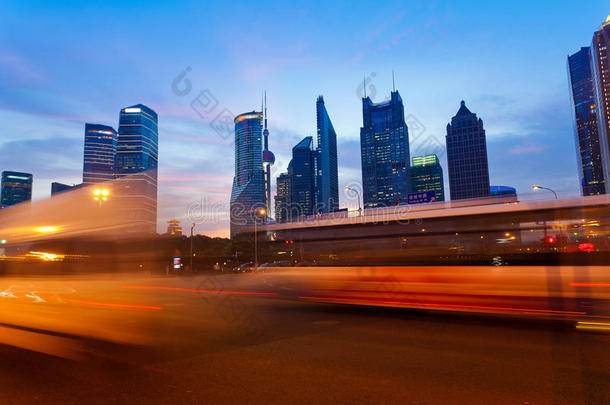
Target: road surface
x: 109, y: 340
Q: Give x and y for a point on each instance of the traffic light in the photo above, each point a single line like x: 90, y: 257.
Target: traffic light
x: 550, y: 240
x: 2, y: 241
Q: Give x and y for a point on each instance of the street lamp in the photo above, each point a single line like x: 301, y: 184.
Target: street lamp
x: 545, y: 188
x: 192, y: 228
x: 258, y: 212
x: 101, y: 195
x: 347, y: 188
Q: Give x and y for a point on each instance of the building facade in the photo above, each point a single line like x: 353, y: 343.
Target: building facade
x: 327, y: 199
x: 99, y: 153
x: 248, y: 191
x: 467, y: 156
x: 427, y: 175
x: 174, y: 228
x: 16, y: 187
x: 384, y: 144
x: 586, y: 131
x: 600, y: 52
x: 136, y: 164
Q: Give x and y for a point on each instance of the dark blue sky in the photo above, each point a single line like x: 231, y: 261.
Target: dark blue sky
x: 71, y: 63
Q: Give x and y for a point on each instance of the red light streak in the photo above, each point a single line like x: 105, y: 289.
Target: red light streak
x: 151, y: 287
x: 589, y: 284
x: 427, y: 305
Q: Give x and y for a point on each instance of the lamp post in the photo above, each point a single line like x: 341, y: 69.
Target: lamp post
x: 257, y: 212
x: 101, y: 195
x: 192, y: 228
x: 554, y: 193
x: 347, y: 188
x: 545, y: 188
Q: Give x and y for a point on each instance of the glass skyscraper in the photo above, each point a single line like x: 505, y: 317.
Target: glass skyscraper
x: 303, y: 182
x: 586, y: 131
x: 327, y: 171
x: 600, y: 52
x: 16, y: 187
x: 99, y: 155
x: 248, y: 191
x: 297, y: 190
x: 427, y: 175
x: 136, y: 165
x: 467, y: 156
x: 384, y: 143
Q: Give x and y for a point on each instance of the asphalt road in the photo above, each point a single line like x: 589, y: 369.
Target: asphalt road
x: 176, y: 345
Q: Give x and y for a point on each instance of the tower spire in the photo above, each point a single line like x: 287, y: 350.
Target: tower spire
x: 265, y: 102
x: 393, y: 84
x: 364, y: 84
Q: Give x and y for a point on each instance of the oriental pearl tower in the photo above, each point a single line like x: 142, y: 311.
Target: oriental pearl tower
x: 268, y: 161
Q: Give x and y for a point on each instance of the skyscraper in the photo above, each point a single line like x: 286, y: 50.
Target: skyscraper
x: 268, y: 161
x: 327, y: 199
x: 467, y: 156
x: 384, y: 143
x: 586, y: 131
x: 136, y: 164
x: 427, y: 175
x: 297, y: 189
x: 16, y: 187
x: 248, y: 191
x: 303, y: 181
x: 283, y: 198
x: 99, y: 155
x: 600, y: 52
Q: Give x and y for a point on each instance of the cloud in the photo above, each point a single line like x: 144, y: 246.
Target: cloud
x: 17, y: 70
x: 527, y: 148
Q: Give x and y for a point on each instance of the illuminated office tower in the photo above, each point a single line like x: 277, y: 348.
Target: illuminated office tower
x: 600, y: 52
x: 586, y: 130
x: 427, y: 175
x: 467, y: 156
x: 248, y: 191
x: 99, y: 154
x: 327, y: 188
x: 283, y: 197
x: 136, y: 164
x: 16, y: 187
x: 384, y: 144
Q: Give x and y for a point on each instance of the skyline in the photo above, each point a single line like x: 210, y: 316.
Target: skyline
x: 45, y: 104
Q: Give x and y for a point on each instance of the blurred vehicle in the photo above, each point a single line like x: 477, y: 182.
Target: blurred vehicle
x: 572, y: 231
x: 244, y: 268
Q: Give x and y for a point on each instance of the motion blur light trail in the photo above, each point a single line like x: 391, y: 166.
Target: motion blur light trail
x: 590, y: 284
x: 594, y: 326
x: 145, y: 287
